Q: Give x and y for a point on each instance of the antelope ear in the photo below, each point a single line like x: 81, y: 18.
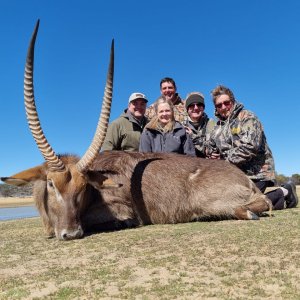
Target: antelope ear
x: 100, y: 181
x: 26, y: 176
x: 13, y: 181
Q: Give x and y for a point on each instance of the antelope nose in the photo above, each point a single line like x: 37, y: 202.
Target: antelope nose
x: 64, y: 236
x: 71, y: 234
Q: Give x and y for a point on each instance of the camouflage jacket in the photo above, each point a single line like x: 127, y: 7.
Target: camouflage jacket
x: 180, y: 113
x: 199, y: 136
x: 124, y: 133
x: 241, y: 140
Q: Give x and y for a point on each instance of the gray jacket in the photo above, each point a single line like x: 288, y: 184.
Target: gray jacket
x: 176, y: 141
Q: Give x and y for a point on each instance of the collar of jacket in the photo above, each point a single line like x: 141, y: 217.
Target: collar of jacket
x: 128, y: 115
x: 177, y: 126
x: 177, y: 98
x: 202, y: 121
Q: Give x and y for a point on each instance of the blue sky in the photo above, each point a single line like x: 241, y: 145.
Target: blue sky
x: 250, y: 46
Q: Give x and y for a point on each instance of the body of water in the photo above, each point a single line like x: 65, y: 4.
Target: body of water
x: 12, y: 213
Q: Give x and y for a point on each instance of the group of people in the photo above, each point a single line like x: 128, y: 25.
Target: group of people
x: 173, y: 125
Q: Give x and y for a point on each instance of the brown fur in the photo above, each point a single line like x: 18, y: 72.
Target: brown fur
x: 140, y: 189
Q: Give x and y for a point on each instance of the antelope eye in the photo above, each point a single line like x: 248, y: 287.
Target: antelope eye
x: 50, y: 183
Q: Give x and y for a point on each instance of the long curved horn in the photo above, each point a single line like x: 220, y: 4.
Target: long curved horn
x: 100, y: 133
x: 52, y: 160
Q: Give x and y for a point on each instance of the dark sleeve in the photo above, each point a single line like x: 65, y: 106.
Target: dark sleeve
x: 145, y: 142
x: 188, y: 146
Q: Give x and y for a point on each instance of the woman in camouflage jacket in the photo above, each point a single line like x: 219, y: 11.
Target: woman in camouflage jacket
x: 239, y: 138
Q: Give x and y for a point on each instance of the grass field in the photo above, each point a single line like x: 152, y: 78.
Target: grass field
x: 202, y: 260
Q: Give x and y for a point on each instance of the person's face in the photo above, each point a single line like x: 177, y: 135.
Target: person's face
x: 195, y: 111
x: 224, y: 106
x: 164, y: 113
x: 137, y: 108
x: 168, y: 90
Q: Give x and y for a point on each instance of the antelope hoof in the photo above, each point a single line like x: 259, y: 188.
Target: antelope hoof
x: 252, y: 216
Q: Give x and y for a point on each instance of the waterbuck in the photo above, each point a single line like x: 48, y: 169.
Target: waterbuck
x: 75, y: 195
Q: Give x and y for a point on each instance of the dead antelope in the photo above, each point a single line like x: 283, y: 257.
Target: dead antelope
x: 75, y: 195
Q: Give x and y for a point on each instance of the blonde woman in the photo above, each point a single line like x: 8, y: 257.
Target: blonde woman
x: 164, y: 134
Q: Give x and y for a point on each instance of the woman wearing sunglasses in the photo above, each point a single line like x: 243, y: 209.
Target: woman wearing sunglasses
x: 239, y: 138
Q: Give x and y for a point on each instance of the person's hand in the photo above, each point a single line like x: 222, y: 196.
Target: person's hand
x: 188, y: 130
x: 215, y: 155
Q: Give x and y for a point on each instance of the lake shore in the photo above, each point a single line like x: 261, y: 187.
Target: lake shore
x: 15, y: 201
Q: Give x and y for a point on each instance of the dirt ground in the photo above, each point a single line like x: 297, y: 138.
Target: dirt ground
x: 202, y: 260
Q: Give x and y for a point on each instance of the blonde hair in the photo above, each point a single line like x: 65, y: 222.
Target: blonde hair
x: 155, y: 123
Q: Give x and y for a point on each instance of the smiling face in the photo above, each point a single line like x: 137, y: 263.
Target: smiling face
x: 168, y: 90
x: 195, y: 111
x: 137, y: 108
x: 224, y: 106
x: 164, y: 113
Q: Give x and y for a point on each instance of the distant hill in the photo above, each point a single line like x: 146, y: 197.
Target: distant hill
x: 7, y: 190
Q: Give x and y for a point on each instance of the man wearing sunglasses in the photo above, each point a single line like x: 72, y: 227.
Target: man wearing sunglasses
x: 239, y: 138
x: 198, y: 125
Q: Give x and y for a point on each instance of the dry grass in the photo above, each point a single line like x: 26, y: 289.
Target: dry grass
x: 208, y: 260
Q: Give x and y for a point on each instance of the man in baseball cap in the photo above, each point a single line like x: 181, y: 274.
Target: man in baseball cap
x: 135, y: 96
x: 124, y: 133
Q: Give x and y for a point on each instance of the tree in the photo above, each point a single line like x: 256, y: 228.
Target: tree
x: 281, y: 179
x: 7, y: 190
x: 296, y: 178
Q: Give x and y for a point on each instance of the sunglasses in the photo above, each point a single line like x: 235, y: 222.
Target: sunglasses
x: 220, y: 105
x: 195, y: 104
